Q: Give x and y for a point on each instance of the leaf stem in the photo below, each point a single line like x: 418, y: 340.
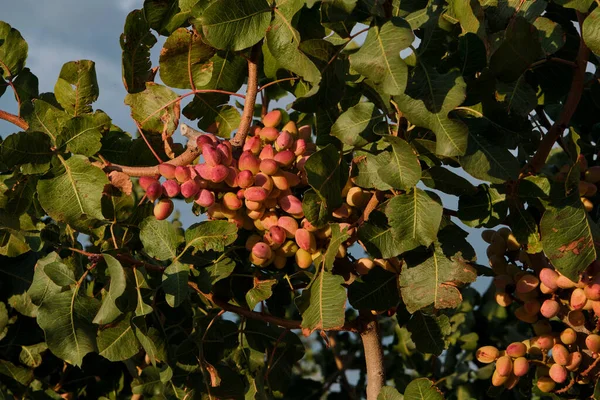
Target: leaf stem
x: 14, y: 119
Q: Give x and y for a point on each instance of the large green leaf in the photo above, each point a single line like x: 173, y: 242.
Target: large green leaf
x: 175, y: 283
x: 25, y: 148
x: 591, y: 30
x: 42, y: 287
x: 489, y: 162
x: 118, y: 342
x: 428, y: 332
x: 327, y: 174
x: 235, y: 24
x: 81, y: 135
x: 434, y: 281
x: 13, y: 51
x: 378, y: 237
x: 580, y: 5
x: 136, y: 42
x: 73, y: 191
x: 261, y: 291
x: 60, y: 274
x: 404, y: 170
x: 109, y: 311
x: 66, y: 319
x: 323, y: 303
x: 569, y: 237
x: 160, y: 238
x: 185, y: 60
x: 210, y: 235
x: 379, y: 57
x: 422, y: 389
x: 18, y: 373
x: 46, y: 117
x: 77, y: 87
x: 338, y: 237
x: 155, y: 109
x: 389, y: 393
x: 487, y: 207
x: 428, y: 99
x: 283, y: 41
x: 367, y: 166
x: 444, y: 180
x: 415, y: 218
x: 378, y: 290
x: 355, y: 127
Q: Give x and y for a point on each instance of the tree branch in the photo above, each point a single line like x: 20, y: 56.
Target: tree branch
x: 240, y: 136
x: 556, y: 131
x: 282, y: 322
x: 371, y: 338
x: 15, y: 120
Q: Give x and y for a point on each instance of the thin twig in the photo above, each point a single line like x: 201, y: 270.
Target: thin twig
x: 266, y: 85
x: 540, y: 156
x: 139, y: 128
x: 240, y: 136
x: 15, y: 120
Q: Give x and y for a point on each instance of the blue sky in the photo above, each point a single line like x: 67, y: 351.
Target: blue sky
x: 59, y: 31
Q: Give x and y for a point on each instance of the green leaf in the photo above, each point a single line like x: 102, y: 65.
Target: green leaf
x: 389, y: 393
x: 45, y: 117
x: 470, y: 15
x: 428, y: 332
x: 368, y: 166
x: 66, y: 319
x: 42, y: 286
x: 235, y: 24
x: 315, y: 209
x: 60, y: 274
x: 77, y: 87
x: 489, y: 162
x: 551, y: 34
x: 20, y: 374
x: 591, y: 30
x: 434, y: 281
x: 73, y: 191
x: 229, y: 119
x: 444, y: 180
x: 25, y: 148
x: 81, y: 135
x: 13, y: 51
x: 378, y: 290
x: 175, y: 283
x: 379, y: 57
x: 32, y: 355
x: 422, y: 389
x: 322, y: 304
x: 118, y: 342
x: 283, y: 42
x: 212, y: 274
x: 166, y: 16
x: 139, y: 281
x: 378, y: 237
x: 27, y: 87
x: 3, y: 320
x: 210, y: 235
x: 487, y: 207
x: 415, y: 218
x: 338, y: 237
x: 518, y: 97
x: 580, y: 5
x: 428, y: 99
x: 261, y: 291
x: 149, y: 338
x: 569, y: 237
x: 355, y: 127
x: 525, y: 229
x: 160, y: 238
x: 327, y: 174
x: 185, y: 60
x: 109, y: 311
x: 155, y: 109
x: 404, y: 170
x: 136, y: 42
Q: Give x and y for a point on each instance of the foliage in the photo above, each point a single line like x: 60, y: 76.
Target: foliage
x: 330, y: 214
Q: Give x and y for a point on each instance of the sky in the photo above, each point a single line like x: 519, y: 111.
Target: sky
x: 59, y: 31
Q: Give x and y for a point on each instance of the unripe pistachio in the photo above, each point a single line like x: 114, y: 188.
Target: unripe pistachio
x: 549, y: 277
x: 587, y: 204
x: 262, y: 250
x: 264, y: 181
x: 189, y: 189
x: 182, y: 174
x: 167, y: 170
x: 487, y: 354
x: 308, y: 226
x: 146, y: 181
x: 516, y: 349
x: 170, y: 188
x: 289, y: 248
x: 560, y: 354
x: 545, y: 384
x: 504, y: 365
x: 275, y: 236
x: 204, y: 139
x: 290, y: 127
x: 231, y: 201
x: 592, y: 342
x: 576, y: 318
x: 499, y: 380
x: 269, y: 219
x: 303, y: 258
x: 272, y: 118
x: 279, y: 181
x: 592, y: 288
x: 154, y: 191
x: 363, y: 266
x: 255, y: 214
x: 289, y: 225
x: 285, y: 158
x: 550, y: 308
x: 245, y: 179
x: 305, y: 240
x: 565, y: 283
x: 568, y: 336
x: 558, y: 373
x: 252, y: 145
x: 268, y: 134
x: 163, y: 209
x: 269, y: 166
x: 255, y: 193
x: 253, y: 205
x: 290, y: 204
x: 520, y: 366
x: 248, y: 161
x: 225, y: 152
x: 212, y: 157
x: 299, y: 147
x: 342, y: 212
x: 251, y: 241
x: 574, y: 361
x: 304, y: 132
x: 503, y: 299
x: 527, y: 283
x: 578, y: 299
x: 284, y: 141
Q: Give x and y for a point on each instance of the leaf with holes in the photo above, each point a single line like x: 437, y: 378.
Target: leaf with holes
x: 77, y: 87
